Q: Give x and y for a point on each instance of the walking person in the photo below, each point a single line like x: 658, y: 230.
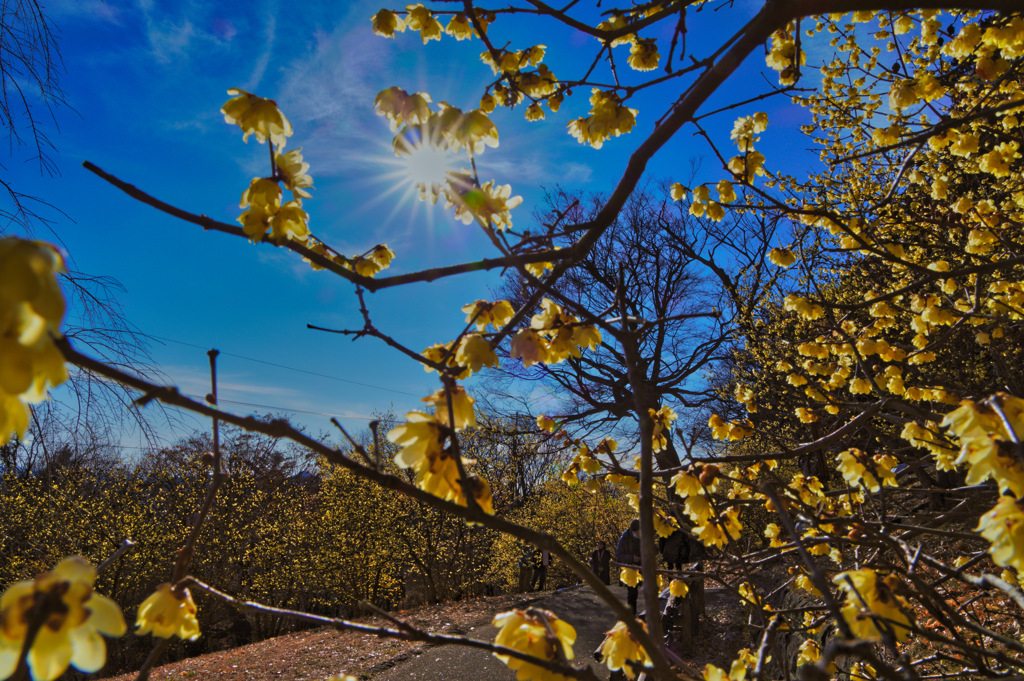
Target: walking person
x: 676, y: 550
x: 627, y: 552
x: 599, y: 562
x: 542, y: 560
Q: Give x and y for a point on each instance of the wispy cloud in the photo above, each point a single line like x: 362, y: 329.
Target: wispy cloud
x: 169, y: 37
x: 192, y: 381
x: 270, y: 38
x: 330, y: 92
x: 100, y: 10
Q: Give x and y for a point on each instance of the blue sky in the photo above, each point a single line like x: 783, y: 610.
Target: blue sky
x: 146, y: 80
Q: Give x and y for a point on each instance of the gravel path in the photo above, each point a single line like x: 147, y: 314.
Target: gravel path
x: 577, y: 605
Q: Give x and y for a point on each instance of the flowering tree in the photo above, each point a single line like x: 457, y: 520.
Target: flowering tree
x: 903, y: 249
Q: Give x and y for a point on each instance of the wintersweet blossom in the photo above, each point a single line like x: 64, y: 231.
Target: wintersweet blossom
x: 75, y: 616
x: 257, y: 116
x: 461, y: 406
x: 678, y: 588
x: 783, y: 257
x: 168, y: 612
x: 294, y: 172
x: 475, y: 352
x: 31, y: 311
x: 630, y: 576
x: 421, y: 438
x: 870, y: 606
x: 538, y: 633
x: 386, y: 23
x: 482, y: 313
x: 1003, y: 527
x: 620, y: 650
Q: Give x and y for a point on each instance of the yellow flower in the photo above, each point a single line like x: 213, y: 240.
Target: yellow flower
x: 382, y: 255
x: 643, y: 55
x: 871, y: 607
x: 630, y: 577
x: 481, y: 491
x: 530, y: 346
x: 168, y: 613
x: 255, y: 223
x: 31, y: 309
x: 678, y: 588
x: 621, y: 651
x: 546, y: 423
x: 534, y: 112
x: 747, y: 166
x: 783, y: 257
x: 726, y: 193
x: 290, y: 222
x: 421, y: 438
x: 263, y: 193
x: 386, y: 22
x: 401, y: 108
x: 804, y: 582
x: 461, y: 406
x: 608, y: 118
x: 475, y: 352
x: 459, y: 27
x: 538, y: 633
x: 293, y: 171
x: 443, y: 351
x: 1003, y: 527
x: 773, y: 532
x: 75, y: 616
x: 809, y: 652
x: 256, y: 115
x: 482, y: 313
x: 663, y: 419
x: 686, y: 484
x: 488, y: 204
x: 421, y: 19
x: 664, y: 524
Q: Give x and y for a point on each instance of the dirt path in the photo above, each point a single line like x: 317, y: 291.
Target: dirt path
x: 576, y: 605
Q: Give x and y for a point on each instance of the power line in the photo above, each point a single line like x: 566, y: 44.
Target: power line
x: 282, y: 366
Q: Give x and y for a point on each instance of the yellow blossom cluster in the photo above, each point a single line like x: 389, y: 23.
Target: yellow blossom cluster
x: 423, y: 439
x: 987, y: 443
x: 785, y: 56
x: 553, y: 336
x: 168, y: 612
x: 608, y: 118
x: 729, y: 430
x: 586, y: 460
x: 871, y: 472
x: 662, y: 418
x: 257, y: 116
x: 538, y: 633
x: 66, y: 616
x: 31, y: 311
x: 871, y: 606
x: 263, y: 204
x: 620, y: 651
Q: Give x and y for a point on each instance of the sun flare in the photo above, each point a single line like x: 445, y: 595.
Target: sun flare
x: 425, y: 162
x: 428, y: 165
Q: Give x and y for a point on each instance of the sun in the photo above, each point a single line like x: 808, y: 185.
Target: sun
x: 426, y: 161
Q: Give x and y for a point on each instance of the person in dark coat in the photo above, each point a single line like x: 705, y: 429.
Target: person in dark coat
x: 676, y: 550
x: 541, y: 563
x: 599, y: 561
x: 627, y: 551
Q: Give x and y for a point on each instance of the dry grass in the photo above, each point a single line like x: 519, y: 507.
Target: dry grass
x: 320, y: 653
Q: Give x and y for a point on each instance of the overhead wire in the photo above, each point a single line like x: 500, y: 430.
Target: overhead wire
x: 288, y: 368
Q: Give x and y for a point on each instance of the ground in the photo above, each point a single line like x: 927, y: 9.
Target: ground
x: 317, y: 654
